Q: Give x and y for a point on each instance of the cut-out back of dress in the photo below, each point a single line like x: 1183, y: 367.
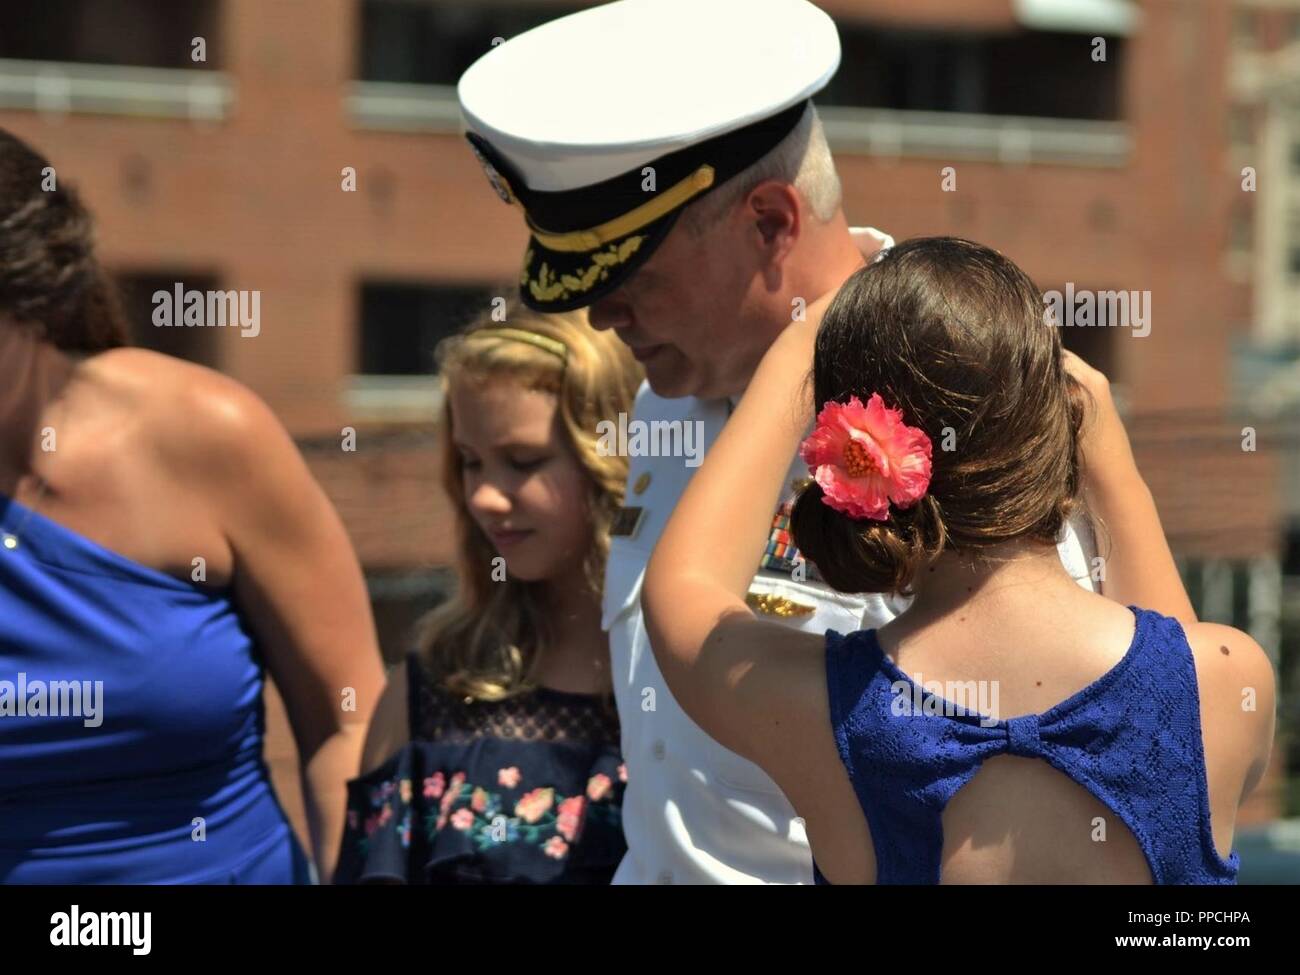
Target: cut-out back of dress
x: 1132, y: 739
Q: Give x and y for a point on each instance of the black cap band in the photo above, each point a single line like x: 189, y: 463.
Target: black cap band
x: 564, y: 211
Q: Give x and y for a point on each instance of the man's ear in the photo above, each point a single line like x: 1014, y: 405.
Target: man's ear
x: 777, y: 220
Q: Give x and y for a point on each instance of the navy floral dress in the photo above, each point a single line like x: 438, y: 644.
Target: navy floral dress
x: 527, y: 790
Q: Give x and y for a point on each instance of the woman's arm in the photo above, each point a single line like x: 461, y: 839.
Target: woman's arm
x: 1138, y: 566
x: 299, y: 586
x: 741, y: 679
x: 390, y: 727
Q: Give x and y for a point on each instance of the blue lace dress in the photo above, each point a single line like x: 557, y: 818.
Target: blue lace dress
x: 1132, y: 738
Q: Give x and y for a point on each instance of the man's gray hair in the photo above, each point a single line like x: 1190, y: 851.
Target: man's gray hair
x: 802, y: 158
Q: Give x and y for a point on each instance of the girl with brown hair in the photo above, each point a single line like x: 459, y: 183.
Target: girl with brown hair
x: 1011, y: 726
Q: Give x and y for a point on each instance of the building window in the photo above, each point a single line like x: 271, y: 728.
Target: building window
x: 1093, y: 344
x: 399, y: 600
x: 1241, y: 126
x: 1036, y: 73
x: 1243, y: 29
x: 1293, y: 246
x: 148, y: 33
x: 402, y: 323
x: 1291, y: 551
x: 1249, y: 595
x: 196, y: 344
x: 433, y: 43
x: 1240, y: 231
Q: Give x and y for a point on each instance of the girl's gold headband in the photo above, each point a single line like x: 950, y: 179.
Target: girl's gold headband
x: 553, y: 346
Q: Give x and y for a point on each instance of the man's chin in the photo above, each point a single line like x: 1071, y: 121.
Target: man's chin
x: 672, y: 383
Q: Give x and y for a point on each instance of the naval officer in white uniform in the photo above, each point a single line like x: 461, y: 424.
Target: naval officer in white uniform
x: 675, y: 180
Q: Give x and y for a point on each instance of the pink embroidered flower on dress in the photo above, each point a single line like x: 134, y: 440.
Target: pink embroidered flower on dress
x: 378, y: 820
x: 478, y: 800
x: 598, y: 787
x: 534, y: 804
x: 452, y: 794
x: 508, y: 777
x: 864, y: 457
x: 568, y: 817
x: 434, y: 786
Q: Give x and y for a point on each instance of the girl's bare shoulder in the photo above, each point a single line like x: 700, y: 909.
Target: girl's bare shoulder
x: 1238, y: 692
x: 1230, y: 661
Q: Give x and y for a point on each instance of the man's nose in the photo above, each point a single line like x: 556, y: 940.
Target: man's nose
x: 609, y: 312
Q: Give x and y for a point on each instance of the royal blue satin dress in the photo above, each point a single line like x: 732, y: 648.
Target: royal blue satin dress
x: 131, y: 723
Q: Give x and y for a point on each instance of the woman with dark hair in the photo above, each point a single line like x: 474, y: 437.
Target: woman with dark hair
x: 161, y: 543
x: 1010, y: 720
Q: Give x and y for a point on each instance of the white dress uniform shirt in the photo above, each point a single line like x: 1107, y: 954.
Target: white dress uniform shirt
x: 695, y: 812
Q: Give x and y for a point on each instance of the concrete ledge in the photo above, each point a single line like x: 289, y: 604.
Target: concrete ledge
x: 399, y: 107
x: 393, y: 399
x: 58, y: 88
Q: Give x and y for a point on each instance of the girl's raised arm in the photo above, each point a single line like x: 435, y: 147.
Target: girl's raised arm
x: 1139, y: 568
x: 738, y: 677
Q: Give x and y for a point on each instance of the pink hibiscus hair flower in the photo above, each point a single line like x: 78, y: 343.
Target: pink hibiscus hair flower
x: 865, y: 457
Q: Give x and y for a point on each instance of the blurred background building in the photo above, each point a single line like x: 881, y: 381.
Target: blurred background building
x: 1148, y: 146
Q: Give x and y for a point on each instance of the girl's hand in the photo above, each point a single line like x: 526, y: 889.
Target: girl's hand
x: 1107, y: 454
x: 786, y: 368
x: 1139, y: 566
x: 801, y: 336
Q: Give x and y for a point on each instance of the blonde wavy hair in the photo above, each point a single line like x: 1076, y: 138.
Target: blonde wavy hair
x: 483, y: 641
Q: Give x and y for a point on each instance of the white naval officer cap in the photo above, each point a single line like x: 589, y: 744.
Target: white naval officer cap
x: 567, y: 117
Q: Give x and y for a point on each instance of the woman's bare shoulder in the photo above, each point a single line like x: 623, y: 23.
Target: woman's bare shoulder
x: 195, y: 416
x: 175, y: 389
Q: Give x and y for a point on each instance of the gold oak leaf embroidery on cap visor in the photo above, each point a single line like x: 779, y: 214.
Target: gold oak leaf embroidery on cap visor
x: 547, y: 287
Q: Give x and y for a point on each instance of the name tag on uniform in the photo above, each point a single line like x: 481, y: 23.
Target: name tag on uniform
x: 627, y: 522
